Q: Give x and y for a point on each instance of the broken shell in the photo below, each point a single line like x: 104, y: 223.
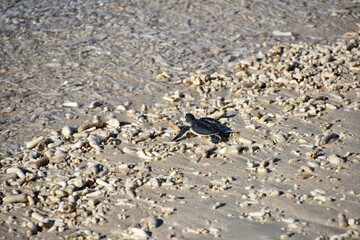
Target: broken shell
x: 278, y: 33
x: 128, y: 150
x: 32, y: 226
x: 259, y: 214
x: 33, y: 143
x: 331, y: 106
x: 20, y: 173
x: 335, y: 159
x: 95, y: 104
x: 322, y: 198
x: 151, y: 222
x: 245, y: 141
x: 108, y: 186
x: 343, y: 222
x: 217, y: 205
x: 141, y: 154
x: 91, y: 125
x: 39, y: 217
x: 304, y: 172
x: 144, y: 137
x: 130, y: 193
x: 174, y: 126
x: 232, y: 149
x: 217, y: 115
x: 155, y: 115
x: 38, y: 163
x: 67, y: 131
x: 70, y: 104
x: 328, y: 137
x: 121, y: 108
x: 262, y: 170
x: 18, y: 198
x: 202, y: 152
x: 113, y: 122
x: 135, y: 233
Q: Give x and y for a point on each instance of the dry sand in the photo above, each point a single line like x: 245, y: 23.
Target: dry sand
x: 89, y: 108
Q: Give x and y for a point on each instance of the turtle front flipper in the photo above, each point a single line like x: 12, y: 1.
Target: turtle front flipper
x: 215, y: 138
x: 181, y: 133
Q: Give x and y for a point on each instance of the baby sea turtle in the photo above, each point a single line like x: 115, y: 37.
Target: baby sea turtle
x: 205, y: 127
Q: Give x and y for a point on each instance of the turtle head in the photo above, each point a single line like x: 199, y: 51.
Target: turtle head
x: 189, y: 118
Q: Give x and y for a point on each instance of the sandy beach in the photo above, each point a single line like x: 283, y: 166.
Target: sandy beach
x: 93, y: 92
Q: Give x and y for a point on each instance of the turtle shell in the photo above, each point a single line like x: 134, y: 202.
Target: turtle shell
x: 203, y: 127
x: 221, y: 127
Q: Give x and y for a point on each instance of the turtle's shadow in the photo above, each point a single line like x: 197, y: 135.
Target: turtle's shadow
x: 224, y: 137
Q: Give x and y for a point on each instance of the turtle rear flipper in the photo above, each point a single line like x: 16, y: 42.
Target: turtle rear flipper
x: 181, y: 133
x: 215, y: 138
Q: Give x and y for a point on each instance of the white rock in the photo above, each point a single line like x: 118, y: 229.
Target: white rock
x: 121, y: 108
x: 113, y: 122
x: 335, y: 159
x: 67, y: 131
